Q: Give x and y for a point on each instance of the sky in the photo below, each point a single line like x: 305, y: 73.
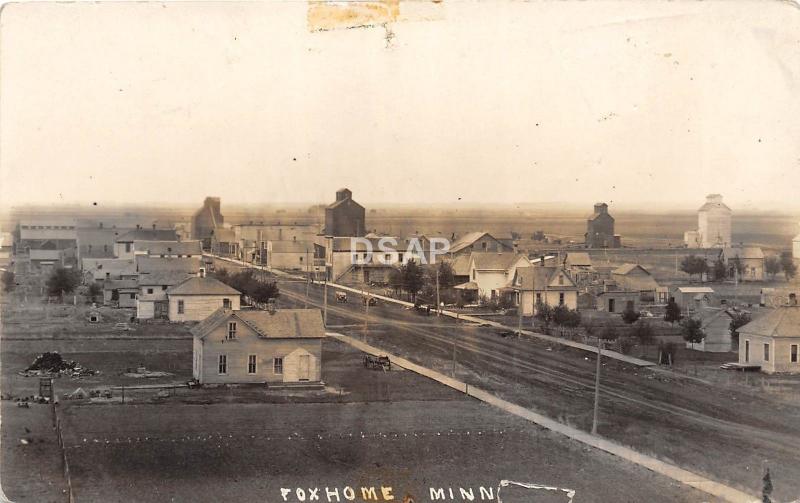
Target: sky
x: 639, y: 104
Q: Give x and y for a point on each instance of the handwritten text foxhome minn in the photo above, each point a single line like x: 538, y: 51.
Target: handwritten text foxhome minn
x: 383, y: 493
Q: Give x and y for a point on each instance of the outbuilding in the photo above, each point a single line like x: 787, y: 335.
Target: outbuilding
x: 773, y: 340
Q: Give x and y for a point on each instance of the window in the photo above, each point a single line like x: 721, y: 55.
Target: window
x: 560, y: 279
x: 251, y: 364
x: 223, y: 364
x: 231, y: 330
x: 163, y: 287
x: 127, y: 247
x: 301, y: 259
x: 538, y: 298
x: 105, y: 248
x: 561, y: 299
x: 473, y: 274
x: 766, y: 352
x: 90, y: 248
x: 99, y: 266
x: 180, y: 307
x: 226, y: 303
x: 149, y: 290
x: 277, y: 365
x: 793, y: 353
x: 746, y: 351
x: 133, y: 296
x: 484, y: 245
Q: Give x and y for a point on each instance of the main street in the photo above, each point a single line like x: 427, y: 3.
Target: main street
x: 722, y: 432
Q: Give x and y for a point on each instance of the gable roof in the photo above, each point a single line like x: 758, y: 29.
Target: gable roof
x: 161, y: 278
x: 469, y: 239
x: 202, y: 286
x: 536, y: 277
x: 169, y: 247
x: 493, y: 261
x: 781, y: 322
x: 578, y: 259
x: 628, y: 268
x: 148, y: 235
x: 146, y: 264
x: 282, y: 324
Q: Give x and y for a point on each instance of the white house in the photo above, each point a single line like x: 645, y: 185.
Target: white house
x: 254, y: 346
x: 124, y: 244
x: 195, y: 298
x: 492, y: 273
x: 538, y: 285
x: 151, y: 301
x: 773, y: 340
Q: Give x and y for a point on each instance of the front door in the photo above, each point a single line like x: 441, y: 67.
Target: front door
x: 304, y: 370
x: 610, y: 305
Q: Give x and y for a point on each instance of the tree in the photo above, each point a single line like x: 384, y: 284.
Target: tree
x: 673, y: 311
x: 609, y: 332
x: 738, y: 267
x: 643, y: 332
x: 413, y: 278
x: 544, y: 313
x: 62, y: 281
x: 222, y: 275
x: 738, y: 320
x: 788, y: 266
x: 446, y: 275
x: 630, y: 316
x: 692, y: 264
x: 720, y: 271
x: 9, y: 281
x: 566, y: 317
x: 262, y: 292
x: 772, y: 265
x: 396, y: 280
x: 94, y: 291
x: 692, y: 331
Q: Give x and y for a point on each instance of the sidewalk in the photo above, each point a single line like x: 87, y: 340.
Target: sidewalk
x: 686, y: 477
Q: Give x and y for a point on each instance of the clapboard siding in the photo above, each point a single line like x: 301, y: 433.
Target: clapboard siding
x: 198, y: 307
x: 208, y: 349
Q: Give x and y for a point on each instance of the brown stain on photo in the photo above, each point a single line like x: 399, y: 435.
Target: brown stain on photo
x: 324, y: 16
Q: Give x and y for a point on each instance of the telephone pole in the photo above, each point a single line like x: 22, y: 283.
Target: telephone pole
x: 325, y: 299
x: 438, y: 303
x: 308, y: 279
x: 597, y: 386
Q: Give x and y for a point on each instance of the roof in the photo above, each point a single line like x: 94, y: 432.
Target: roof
x: 197, y: 285
x: 468, y: 239
x: 340, y: 202
x: 628, y: 268
x: 148, y: 235
x: 541, y: 277
x: 781, y: 322
x: 460, y: 265
x: 578, y: 259
x: 469, y: 285
x: 147, y: 264
x: 493, y: 261
x: 713, y: 202
x: 695, y: 289
x: 120, y: 284
x: 98, y: 267
x: 744, y: 252
x: 169, y: 247
x: 162, y: 278
x: 281, y: 324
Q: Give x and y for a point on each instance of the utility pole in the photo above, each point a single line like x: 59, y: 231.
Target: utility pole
x: 438, y: 303
x: 325, y: 299
x: 597, y: 385
x: 365, y: 298
x: 454, y: 356
x: 308, y: 279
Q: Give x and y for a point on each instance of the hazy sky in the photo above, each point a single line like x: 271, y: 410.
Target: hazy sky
x: 636, y: 103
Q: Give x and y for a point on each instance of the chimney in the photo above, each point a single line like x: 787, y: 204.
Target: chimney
x: 793, y: 299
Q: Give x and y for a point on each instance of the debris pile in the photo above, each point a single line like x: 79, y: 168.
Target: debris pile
x: 48, y: 364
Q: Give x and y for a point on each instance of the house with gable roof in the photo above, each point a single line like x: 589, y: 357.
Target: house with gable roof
x: 772, y: 340
x: 491, y: 274
x: 544, y: 285
x: 252, y: 346
x: 195, y: 298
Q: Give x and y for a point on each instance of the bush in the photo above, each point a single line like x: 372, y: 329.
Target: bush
x: 9, y: 281
x: 673, y: 312
x: 630, y: 316
x: 625, y: 345
x: 62, y: 281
